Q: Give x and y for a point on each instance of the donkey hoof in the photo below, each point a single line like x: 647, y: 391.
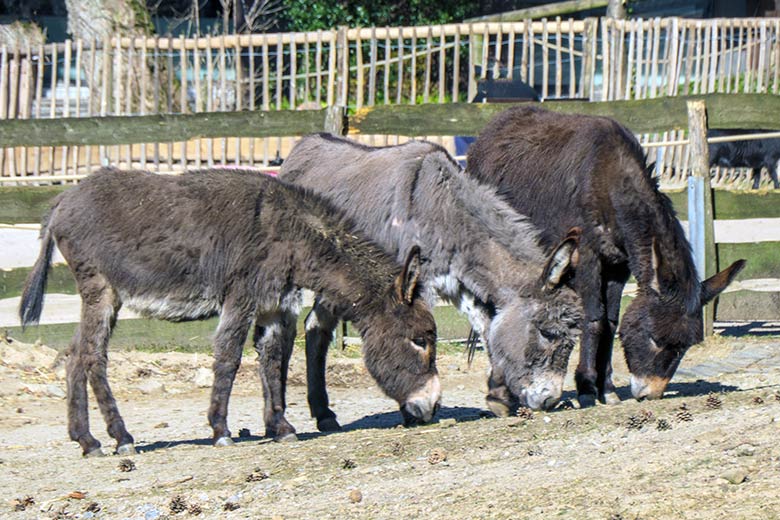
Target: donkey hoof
x: 499, y: 408
x: 286, y: 437
x: 126, y: 449
x: 223, y: 441
x: 586, y: 400
x: 328, y: 424
x: 610, y: 398
x: 97, y: 452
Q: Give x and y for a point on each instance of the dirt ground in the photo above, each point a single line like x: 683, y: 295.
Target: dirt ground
x: 707, y: 450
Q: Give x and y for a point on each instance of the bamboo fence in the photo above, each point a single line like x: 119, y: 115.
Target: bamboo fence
x: 594, y: 59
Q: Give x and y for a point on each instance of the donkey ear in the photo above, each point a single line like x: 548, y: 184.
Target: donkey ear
x: 714, y: 285
x: 406, y: 283
x: 564, y: 258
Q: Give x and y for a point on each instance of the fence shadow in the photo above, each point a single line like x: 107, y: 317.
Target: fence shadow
x: 748, y: 328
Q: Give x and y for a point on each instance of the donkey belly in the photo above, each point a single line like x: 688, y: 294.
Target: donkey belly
x: 172, y: 308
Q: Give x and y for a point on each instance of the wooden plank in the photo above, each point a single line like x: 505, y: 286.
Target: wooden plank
x: 737, y: 205
x: 60, y: 280
x: 118, y: 130
x: 293, y: 75
x: 372, y: 67
x: 456, y: 68
x: 412, y: 75
x: 442, y: 68
x: 24, y: 204
x: 641, y: 116
x: 748, y: 306
x: 545, y: 61
x: 428, y: 65
x: 762, y: 258
x: 543, y: 11
x: 701, y: 231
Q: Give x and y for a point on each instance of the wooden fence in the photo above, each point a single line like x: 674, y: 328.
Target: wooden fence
x: 594, y: 59
x: 754, y: 297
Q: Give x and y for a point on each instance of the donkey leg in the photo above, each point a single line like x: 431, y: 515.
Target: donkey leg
x: 274, y: 340
x: 588, y: 284
x: 78, y: 409
x: 499, y: 399
x: 228, y: 345
x: 97, y: 372
x: 320, y: 324
x: 88, y: 360
x: 614, y: 292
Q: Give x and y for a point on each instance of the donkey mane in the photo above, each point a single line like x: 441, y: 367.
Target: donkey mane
x: 683, y: 285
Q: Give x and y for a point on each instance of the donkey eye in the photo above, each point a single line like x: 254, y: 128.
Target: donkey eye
x: 419, y: 342
x: 548, y: 335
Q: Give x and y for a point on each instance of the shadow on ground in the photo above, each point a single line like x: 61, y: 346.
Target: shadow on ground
x: 386, y: 420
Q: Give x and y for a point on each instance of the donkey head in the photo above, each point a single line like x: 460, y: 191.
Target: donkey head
x: 545, y: 321
x: 660, y: 325
x: 400, y: 347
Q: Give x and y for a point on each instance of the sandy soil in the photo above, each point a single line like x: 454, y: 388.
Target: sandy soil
x: 602, y: 463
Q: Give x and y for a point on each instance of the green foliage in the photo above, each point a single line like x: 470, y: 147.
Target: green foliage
x: 302, y: 15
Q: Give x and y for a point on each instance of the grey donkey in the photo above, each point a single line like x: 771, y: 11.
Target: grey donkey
x: 480, y: 254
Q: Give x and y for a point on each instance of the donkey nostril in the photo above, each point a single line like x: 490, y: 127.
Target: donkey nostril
x: 550, y: 402
x: 415, y: 410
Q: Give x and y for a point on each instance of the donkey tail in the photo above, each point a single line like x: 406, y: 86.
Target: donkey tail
x: 31, y: 304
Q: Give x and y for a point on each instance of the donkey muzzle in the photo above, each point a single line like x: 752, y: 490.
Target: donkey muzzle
x: 543, y: 397
x: 648, y: 387
x: 422, y: 405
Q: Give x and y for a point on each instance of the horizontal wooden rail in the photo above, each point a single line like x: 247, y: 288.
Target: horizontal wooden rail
x: 740, y: 111
x: 114, y: 130
x: 542, y: 11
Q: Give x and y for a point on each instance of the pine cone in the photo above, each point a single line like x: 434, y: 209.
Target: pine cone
x: 178, y: 504
x: 126, y: 465
x: 525, y: 413
x: 684, y: 415
x: 635, y: 422
x: 663, y: 425
x: 714, y: 402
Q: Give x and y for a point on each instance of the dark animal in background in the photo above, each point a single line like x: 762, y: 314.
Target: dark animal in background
x: 240, y: 245
x: 573, y: 170
x: 480, y: 255
x: 754, y: 153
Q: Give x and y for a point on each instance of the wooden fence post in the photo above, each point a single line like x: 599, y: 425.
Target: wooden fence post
x: 616, y: 9
x: 589, y: 53
x: 342, y: 66
x: 700, y: 215
x: 336, y: 120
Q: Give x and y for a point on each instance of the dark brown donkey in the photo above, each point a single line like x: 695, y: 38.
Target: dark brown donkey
x: 573, y: 170
x: 238, y: 244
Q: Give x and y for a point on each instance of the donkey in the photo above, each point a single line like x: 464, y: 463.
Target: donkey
x: 482, y: 256
x: 241, y: 245
x: 574, y: 170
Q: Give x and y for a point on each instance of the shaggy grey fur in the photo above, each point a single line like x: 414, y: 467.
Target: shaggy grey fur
x: 480, y: 254
x: 241, y: 245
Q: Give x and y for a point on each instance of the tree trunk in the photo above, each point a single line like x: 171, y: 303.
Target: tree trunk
x: 98, y: 21
x: 616, y: 9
